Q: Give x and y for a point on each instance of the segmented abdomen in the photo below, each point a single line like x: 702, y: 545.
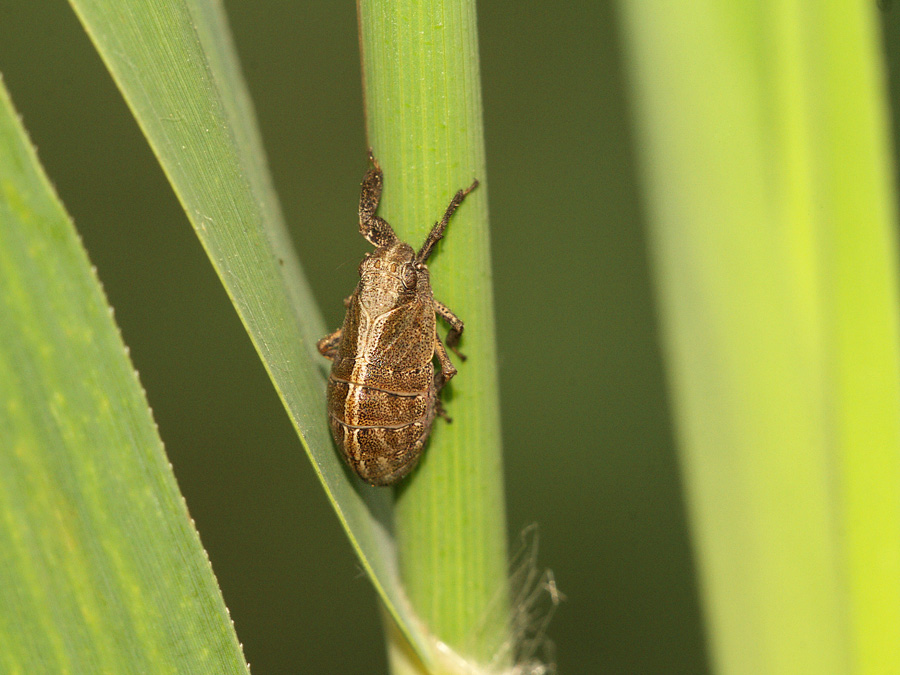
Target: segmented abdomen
x: 380, y: 417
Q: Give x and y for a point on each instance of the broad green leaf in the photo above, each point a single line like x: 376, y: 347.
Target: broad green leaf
x: 772, y: 218
x: 174, y: 63
x: 101, y: 570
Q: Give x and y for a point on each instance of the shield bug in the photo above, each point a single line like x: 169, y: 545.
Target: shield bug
x: 383, y: 388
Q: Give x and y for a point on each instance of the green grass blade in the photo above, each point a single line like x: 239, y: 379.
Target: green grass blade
x: 101, y: 570
x: 423, y: 108
x: 175, y: 65
x: 770, y: 197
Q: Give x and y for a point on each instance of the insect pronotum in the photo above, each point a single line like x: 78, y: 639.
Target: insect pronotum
x: 383, y: 388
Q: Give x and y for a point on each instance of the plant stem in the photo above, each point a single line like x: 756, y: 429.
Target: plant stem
x: 423, y: 111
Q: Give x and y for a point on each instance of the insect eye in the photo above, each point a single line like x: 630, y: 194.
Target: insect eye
x: 409, y: 277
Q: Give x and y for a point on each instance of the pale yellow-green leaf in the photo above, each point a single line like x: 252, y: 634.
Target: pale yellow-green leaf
x: 766, y: 159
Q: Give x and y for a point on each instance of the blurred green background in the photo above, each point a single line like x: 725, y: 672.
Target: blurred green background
x: 589, y: 451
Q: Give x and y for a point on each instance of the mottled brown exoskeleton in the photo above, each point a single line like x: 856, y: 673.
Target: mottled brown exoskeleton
x: 383, y: 388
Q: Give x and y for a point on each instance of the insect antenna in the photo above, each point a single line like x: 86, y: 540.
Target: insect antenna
x: 376, y: 230
x: 437, y: 232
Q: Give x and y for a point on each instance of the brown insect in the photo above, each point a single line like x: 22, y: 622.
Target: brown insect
x: 383, y: 388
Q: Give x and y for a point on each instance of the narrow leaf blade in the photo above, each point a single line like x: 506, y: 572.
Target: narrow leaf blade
x: 176, y: 67
x: 773, y: 223
x: 101, y: 569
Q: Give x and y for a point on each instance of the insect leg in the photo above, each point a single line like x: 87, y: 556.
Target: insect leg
x: 456, y: 327
x: 376, y: 230
x: 437, y: 232
x: 439, y: 410
x: 447, y: 368
x: 328, y: 345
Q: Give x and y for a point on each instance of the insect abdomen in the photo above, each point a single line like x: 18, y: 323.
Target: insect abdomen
x: 380, y: 429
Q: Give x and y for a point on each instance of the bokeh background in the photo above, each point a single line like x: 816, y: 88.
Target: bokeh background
x: 589, y: 447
